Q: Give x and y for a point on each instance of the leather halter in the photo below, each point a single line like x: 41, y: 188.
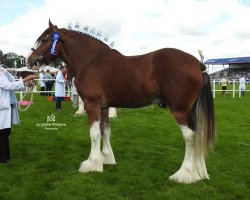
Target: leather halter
x: 41, y: 56
x: 55, y: 38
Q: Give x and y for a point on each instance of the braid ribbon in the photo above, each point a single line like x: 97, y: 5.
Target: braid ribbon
x: 55, y: 38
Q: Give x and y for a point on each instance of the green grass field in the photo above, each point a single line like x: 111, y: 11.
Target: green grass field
x: 148, y: 147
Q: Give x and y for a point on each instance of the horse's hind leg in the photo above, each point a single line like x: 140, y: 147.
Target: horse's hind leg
x: 107, y: 152
x: 81, y: 109
x: 187, y: 173
x: 94, y: 162
x: 193, y: 167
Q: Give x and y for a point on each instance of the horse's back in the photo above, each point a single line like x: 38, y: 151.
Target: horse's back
x: 166, y: 61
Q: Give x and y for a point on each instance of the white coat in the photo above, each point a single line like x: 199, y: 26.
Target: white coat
x: 242, y: 85
x: 42, y: 82
x: 60, y: 85
x: 5, y: 87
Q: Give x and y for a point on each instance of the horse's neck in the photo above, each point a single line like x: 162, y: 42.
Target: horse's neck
x: 80, y: 50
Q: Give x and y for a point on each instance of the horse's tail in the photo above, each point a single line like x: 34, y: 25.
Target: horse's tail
x: 204, y: 123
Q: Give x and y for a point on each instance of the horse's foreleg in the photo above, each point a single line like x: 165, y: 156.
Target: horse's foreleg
x: 107, y: 152
x: 94, y: 162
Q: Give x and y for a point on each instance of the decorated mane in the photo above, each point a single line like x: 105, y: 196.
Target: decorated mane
x: 91, y: 32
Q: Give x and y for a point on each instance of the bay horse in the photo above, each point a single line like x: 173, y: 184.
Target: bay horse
x: 30, y: 85
x: 106, y: 78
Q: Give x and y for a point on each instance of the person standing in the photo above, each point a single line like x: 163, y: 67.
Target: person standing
x: 242, y: 86
x: 47, y: 77
x: 224, y: 86
x: 59, y: 88
x: 8, y: 108
x: 42, y: 82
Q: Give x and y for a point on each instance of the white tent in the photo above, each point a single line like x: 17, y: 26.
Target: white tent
x: 24, y: 69
x: 51, y: 69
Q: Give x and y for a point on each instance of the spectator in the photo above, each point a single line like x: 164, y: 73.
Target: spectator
x: 224, y: 86
x: 47, y: 77
x: 42, y: 82
x: 242, y: 86
x: 60, y: 88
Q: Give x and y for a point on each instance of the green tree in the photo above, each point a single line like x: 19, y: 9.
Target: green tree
x: 1, y: 56
x: 9, y: 59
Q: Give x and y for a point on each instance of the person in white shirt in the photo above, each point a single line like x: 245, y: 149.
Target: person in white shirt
x: 224, y: 86
x: 48, y: 84
x: 60, y: 88
x: 42, y: 82
x: 8, y: 108
x: 242, y: 85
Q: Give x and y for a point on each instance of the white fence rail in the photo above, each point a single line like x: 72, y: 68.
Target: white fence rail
x: 68, y: 91
x: 215, y: 84
x: 235, y: 87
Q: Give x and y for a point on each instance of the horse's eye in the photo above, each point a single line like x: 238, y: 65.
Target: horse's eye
x: 45, y: 38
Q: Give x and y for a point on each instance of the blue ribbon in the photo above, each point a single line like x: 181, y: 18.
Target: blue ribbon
x: 55, y: 38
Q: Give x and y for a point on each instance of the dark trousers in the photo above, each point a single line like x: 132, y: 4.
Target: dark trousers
x: 59, y: 102
x: 48, y: 88
x: 42, y: 89
x: 4, y: 145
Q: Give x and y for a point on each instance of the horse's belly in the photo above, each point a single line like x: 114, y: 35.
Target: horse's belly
x: 136, y: 101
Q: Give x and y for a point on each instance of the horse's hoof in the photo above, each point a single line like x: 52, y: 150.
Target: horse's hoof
x: 183, y: 176
x: 79, y: 113
x: 90, y: 165
x: 202, y: 170
x: 202, y: 173
x: 108, y: 158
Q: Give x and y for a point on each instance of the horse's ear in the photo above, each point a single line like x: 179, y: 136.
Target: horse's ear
x: 52, y: 27
x: 50, y: 24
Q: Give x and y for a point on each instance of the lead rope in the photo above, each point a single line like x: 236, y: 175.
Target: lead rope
x: 30, y: 86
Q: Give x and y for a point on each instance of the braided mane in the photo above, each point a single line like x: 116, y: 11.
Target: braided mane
x: 96, y: 35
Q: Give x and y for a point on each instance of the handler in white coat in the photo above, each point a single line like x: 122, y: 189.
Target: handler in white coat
x: 8, y: 109
x: 60, y: 88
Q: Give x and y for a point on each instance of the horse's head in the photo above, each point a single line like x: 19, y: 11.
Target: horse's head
x: 44, y: 50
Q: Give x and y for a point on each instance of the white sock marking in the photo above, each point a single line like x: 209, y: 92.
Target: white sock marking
x: 108, y: 155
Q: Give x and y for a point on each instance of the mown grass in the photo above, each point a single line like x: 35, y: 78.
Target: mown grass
x: 148, y: 147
